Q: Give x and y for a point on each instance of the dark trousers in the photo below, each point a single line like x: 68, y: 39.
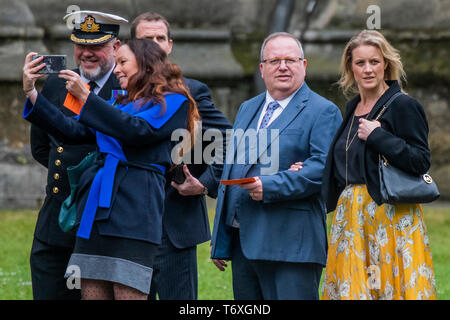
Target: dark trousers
x: 174, y: 273
x: 272, y: 280
x: 48, y: 265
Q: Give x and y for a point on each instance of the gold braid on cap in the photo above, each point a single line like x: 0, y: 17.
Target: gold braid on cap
x: 76, y: 39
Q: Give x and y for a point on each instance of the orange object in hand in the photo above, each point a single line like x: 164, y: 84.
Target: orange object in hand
x: 237, y: 181
x: 74, y: 104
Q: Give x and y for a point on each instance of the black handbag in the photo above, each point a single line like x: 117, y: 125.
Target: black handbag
x: 398, y: 186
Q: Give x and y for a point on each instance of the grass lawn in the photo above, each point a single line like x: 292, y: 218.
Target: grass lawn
x: 16, y: 235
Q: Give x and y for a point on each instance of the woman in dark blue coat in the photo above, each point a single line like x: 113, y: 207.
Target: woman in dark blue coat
x: 120, y: 198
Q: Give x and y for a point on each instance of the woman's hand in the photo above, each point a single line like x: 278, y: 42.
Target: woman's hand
x: 75, y: 85
x: 366, y: 127
x: 30, y: 75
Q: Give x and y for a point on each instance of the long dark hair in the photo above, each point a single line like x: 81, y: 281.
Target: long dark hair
x: 156, y: 76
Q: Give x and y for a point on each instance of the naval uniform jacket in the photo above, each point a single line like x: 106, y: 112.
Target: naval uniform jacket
x: 402, y: 139
x: 56, y: 155
x: 124, y: 190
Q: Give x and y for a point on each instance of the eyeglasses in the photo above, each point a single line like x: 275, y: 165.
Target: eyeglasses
x: 277, y: 61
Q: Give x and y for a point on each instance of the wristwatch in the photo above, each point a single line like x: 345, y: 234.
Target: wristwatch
x: 205, y: 191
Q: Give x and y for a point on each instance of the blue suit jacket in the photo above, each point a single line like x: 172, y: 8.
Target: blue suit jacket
x: 289, y: 224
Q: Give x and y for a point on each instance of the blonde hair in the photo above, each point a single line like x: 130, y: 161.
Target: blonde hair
x: 393, y: 71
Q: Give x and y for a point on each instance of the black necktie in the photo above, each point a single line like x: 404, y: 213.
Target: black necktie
x: 92, y: 85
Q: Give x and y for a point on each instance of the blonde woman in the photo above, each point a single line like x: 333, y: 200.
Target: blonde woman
x: 376, y: 250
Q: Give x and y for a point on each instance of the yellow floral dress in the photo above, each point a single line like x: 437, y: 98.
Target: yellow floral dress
x: 377, y: 252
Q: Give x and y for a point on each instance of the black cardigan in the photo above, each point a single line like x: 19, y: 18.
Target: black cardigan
x: 402, y: 139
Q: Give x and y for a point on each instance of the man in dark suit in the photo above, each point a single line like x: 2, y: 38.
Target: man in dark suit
x: 274, y: 229
x: 185, y: 220
x: 94, y: 56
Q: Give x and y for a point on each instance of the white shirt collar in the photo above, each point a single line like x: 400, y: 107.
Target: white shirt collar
x: 283, y: 103
x: 100, y: 82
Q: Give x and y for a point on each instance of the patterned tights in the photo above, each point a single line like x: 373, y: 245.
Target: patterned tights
x: 105, y: 290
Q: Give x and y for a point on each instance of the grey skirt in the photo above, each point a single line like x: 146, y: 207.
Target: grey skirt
x: 125, y: 261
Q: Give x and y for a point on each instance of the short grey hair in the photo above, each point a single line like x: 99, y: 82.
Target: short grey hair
x: 276, y: 35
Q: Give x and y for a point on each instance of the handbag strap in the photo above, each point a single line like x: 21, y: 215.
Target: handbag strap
x: 387, y: 104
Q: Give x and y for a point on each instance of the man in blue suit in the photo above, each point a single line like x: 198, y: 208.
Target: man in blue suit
x: 185, y: 220
x: 274, y: 229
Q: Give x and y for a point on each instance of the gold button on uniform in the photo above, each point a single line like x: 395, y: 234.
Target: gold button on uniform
x: 56, y: 176
x: 58, y: 163
x: 55, y: 190
x: 60, y: 149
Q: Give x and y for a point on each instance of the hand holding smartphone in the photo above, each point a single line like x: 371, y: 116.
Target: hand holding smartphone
x: 53, y: 63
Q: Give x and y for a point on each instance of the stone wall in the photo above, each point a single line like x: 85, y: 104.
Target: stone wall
x: 218, y: 42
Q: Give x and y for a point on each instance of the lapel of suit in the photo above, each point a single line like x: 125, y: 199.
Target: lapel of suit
x: 242, y: 123
x: 295, y: 106
x: 63, y: 93
x: 252, y: 111
x: 111, y: 84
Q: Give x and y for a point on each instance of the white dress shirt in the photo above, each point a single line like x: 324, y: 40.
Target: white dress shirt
x: 283, y: 104
x: 100, y: 82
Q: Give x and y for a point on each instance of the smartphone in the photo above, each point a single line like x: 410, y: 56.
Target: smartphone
x: 53, y: 63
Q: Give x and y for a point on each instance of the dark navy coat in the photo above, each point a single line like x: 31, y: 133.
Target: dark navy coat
x: 57, y: 154
x: 186, y: 217
x: 137, y: 197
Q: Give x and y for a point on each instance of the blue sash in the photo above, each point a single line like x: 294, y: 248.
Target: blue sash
x: 101, y: 191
